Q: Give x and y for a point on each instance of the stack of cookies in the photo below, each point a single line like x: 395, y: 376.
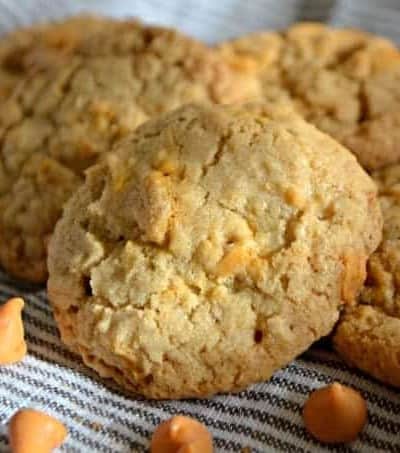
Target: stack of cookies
x: 203, y: 215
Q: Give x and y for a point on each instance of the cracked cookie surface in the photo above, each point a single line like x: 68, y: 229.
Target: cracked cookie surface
x: 368, y: 335
x: 59, y: 121
x: 210, y: 248
x: 344, y: 81
x: 29, y: 49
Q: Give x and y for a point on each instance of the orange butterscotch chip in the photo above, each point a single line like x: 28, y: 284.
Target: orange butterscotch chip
x: 32, y: 431
x: 234, y: 261
x: 335, y: 413
x: 12, y: 343
x: 181, y: 434
x: 354, y: 275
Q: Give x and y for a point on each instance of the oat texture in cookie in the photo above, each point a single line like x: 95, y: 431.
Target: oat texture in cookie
x: 210, y: 248
x: 30, y: 49
x: 368, y: 335
x: 345, y: 81
x: 59, y: 121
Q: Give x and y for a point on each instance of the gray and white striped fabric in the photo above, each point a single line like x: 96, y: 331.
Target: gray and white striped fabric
x: 266, y: 417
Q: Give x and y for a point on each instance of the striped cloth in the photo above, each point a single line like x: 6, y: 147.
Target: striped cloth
x: 266, y: 417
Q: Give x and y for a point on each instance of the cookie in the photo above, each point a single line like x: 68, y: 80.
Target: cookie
x: 59, y: 121
x: 210, y: 248
x: 345, y: 81
x: 30, y: 49
x: 368, y: 335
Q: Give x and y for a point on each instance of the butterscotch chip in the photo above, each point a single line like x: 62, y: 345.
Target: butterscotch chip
x: 206, y: 278
x: 60, y: 120
x: 368, y: 335
x: 12, y: 343
x: 31, y: 431
x: 181, y: 434
x: 346, y: 82
x: 335, y: 413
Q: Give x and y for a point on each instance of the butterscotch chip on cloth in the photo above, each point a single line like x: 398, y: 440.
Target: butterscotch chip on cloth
x: 59, y: 121
x: 30, y: 49
x: 210, y: 248
x: 345, y: 81
x: 368, y: 336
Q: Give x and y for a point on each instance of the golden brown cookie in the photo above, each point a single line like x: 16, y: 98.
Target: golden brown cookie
x: 345, y: 81
x: 210, y: 248
x: 368, y: 335
x: 27, y: 50
x: 57, y: 123
x: 161, y: 56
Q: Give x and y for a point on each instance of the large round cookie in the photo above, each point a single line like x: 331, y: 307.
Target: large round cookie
x: 368, y: 335
x: 345, y: 81
x: 30, y: 49
x: 210, y: 248
x: 59, y: 121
